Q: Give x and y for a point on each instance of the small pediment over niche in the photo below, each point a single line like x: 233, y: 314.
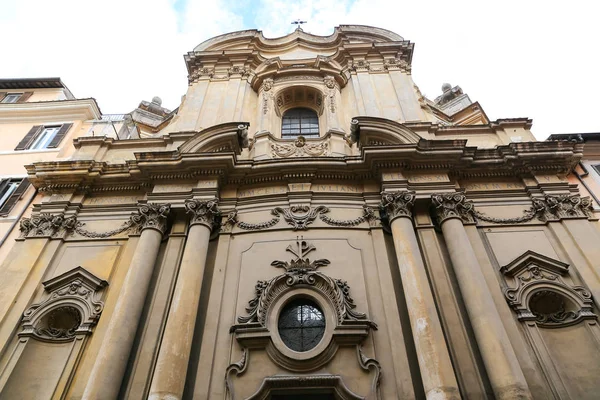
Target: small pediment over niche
x: 228, y: 137
x: 68, y: 308
x: 372, y: 131
x: 79, y: 273
x: 530, y: 259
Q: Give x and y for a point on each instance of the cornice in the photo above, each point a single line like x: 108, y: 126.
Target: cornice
x: 451, y: 155
x: 79, y: 109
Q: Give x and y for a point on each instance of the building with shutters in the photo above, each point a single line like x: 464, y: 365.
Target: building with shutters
x: 39, y: 118
x: 305, y: 225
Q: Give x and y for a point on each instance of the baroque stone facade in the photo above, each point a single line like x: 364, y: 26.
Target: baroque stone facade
x: 306, y: 224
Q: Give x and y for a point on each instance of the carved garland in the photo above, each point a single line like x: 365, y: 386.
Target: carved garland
x: 150, y: 215
x: 301, y: 216
x: 551, y: 207
x: 300, y: 148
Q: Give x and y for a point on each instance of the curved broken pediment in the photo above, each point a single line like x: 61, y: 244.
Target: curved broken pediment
x: 373, y: 131
x: 254, y: 39
x: 228, y: 137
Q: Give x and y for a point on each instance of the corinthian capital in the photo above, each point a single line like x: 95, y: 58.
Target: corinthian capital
x: 397, y: 204
x: 452, y: 205
x: 47, y: 225
x: 150, y: 216
x: 203, y: 211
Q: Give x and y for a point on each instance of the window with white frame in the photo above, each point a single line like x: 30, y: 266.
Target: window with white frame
x: 44, y: 138
x: 11, y: 98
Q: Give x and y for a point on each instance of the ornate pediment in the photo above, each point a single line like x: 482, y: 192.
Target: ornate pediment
x: 540, y: 294
x: 530, y: 259
x: 69, y: 308
x: 228, y: 137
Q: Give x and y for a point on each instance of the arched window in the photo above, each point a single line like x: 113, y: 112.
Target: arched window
x: 299, y: 122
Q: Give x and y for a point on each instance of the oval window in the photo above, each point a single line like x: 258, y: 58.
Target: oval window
x: 301, y: 325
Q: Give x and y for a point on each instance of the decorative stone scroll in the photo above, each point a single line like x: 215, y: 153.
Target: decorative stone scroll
x: 301, y: 271
x: 150, y: 216
x: 301, y: 148
x: 205, y: 212
x: 541, y: 295
x: 47, y: 225
x: 70, y: 307
x: 397, y: 204
x: 452, y: 205
x: 346, y: 327
x: 300, y: 217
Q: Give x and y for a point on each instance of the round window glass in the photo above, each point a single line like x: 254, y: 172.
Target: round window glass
x: 301, y: 325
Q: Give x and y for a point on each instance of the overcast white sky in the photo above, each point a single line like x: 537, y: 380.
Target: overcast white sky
x: 536, y: 59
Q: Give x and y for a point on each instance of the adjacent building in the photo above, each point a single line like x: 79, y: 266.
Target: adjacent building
x: 305, y: 225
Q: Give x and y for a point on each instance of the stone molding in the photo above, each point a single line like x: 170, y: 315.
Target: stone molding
x: 300, y: 217
x: 538, y: 279
x: 204, y: 212
x: 397, y: 204
x: 73, y: 292
x: 150, y: 216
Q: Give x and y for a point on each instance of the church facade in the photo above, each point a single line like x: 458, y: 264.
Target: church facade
x: 306, y: 225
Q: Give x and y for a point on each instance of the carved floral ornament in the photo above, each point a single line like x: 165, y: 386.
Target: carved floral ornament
x: 548, y: 208
x: 300, y: 217
x: 540, y: 294
x: 345, y: 326
x: 70, y: 307
x: 147, y: 216
x: 301, y: 148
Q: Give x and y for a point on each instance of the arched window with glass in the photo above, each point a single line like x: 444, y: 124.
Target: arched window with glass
x: 299, y: 122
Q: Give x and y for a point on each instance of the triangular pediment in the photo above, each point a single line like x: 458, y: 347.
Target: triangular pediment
x: 529, y: 259
x: 78, y: 273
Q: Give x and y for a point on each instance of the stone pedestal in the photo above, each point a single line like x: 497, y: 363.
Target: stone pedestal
x: 107, y: 374
x: 436, y: 369
x: 499, y: 358
x: 171, y: 368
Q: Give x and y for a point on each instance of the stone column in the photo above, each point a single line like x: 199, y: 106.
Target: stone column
x: 436, y: 368
x: 108, y: 370
x: 499, y: 358
x: 171, y: 368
